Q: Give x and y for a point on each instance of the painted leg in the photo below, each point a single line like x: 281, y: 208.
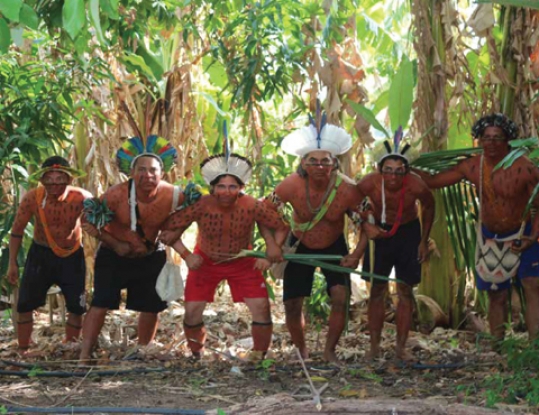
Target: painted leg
x: 93, y: 322
x: 531, y: 291
x: 73, y: 327
x: 147, y: 327
x: 497, y: 313
x: 404, y: 320
x: 262, y: 327
x: 337, y: 321
x: 295, y: 322
x: 376, y: 315
x: 25, y: 325
x: 193, y: 327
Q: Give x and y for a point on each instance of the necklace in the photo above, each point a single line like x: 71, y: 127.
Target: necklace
x: 324, y: 197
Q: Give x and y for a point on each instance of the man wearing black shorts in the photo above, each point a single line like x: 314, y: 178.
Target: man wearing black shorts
x: 129, y: 256
x: 320, y: 197
x: 56, y: 255
x: 399, y: 241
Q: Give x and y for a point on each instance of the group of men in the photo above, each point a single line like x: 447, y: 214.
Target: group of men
x: 146, y: 214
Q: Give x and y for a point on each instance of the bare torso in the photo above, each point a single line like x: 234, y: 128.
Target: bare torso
x: 371, y: 185
x: 293, y: 190
x: 224, y: 232
x: 512, y: 189
x: 62, y: 216
x: 152, y: 214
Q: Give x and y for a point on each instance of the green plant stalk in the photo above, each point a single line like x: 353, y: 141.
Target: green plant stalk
x: 309, y: 259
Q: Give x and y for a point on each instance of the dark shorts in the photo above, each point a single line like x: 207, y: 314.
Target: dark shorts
x: 139, y: 275
x: 43, y: 269
x: 400, y: 251
x: 298, y: 278
x: 529, y: 263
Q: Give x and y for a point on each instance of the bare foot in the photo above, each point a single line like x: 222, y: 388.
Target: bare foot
x: 331, y: 357
x: 197, y: 355
x: 404, y: 355
x: 373, y: 353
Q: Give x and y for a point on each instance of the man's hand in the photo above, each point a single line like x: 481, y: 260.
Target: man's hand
x: 122, y: 248
x: 262, y: 264
x: 423, y: 252
x: 350, y: 261
x: 193, y: 261
x: 373, y: 231
x: 274, y: 253
x: 90, y: 229
x: 169, y: 237
x: 525, y: 243
x: 13, y: 275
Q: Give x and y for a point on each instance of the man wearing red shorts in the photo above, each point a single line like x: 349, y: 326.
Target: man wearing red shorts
x: 226, y: 219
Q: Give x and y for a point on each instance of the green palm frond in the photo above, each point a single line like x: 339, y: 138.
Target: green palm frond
x: 437, y: 161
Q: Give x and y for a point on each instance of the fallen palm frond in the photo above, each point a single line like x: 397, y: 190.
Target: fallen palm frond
x: 442, y: 160
x: 318, y: 261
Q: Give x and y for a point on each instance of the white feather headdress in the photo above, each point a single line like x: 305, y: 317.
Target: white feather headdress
x: 226, y: 163
x: 219, y: 165
x: 318, y: 135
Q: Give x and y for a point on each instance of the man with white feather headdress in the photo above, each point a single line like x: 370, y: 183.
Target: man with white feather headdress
x: 320, y: 197
x: 226, y: 219
x: 401, y: 242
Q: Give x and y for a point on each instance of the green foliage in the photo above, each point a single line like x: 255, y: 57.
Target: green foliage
x: 220, y: 412
x: 519, y: 380
x: 265, y: 366
x: 401, y: 95
x: 318, y: 304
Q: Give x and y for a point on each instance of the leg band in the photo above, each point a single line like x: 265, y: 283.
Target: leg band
x: 72, y: 325
x: 258, y: 323
x: 194, y: 326
x: 25, y: 322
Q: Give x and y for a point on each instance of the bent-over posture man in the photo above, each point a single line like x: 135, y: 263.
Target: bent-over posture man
x: 129, y: 256
x: 504, y: 194
x: 400, y: 242
x: 56, y: 255
x: 320, y: 198
x: 226, y: 221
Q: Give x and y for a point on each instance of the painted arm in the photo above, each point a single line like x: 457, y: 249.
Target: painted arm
x: 352, y: 260
x: 427, y: 218
x: 24, y: 214
x: 267, y: 218
x: 529, y: 240
x: 445, y: 178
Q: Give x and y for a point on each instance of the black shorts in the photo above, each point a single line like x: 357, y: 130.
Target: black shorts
x: 298, y: 278
x: 112, y: 273
x: 42, y: 269
x: 399, y: 251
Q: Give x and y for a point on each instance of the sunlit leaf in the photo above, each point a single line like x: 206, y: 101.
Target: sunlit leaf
x: 5, y: 36
x: 11, y: 9
x: 368, y: 115
x: 73, y: 17
x: 94, y: 18
x: 401, y: 95
x: 28, y: 17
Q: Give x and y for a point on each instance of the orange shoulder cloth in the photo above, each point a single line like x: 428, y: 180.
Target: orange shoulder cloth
x: 58, y: 251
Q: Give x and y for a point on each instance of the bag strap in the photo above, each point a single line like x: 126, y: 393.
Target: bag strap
x: 305, y: 227
x: 175, y: 198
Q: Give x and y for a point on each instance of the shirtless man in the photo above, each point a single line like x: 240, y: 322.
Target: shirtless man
x: 128, y: 256
x: 225, y: 221
x: 317, y: 187
x: 56, y: 255
x: 505, y: 193
x: 399, y: 242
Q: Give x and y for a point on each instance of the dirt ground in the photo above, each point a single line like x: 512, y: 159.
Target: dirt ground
x: 447, y: 365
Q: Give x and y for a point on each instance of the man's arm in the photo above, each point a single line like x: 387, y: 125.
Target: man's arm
x: 529, y: 240
x: 267, y: 218
x: 24, y: 214
x: 445, y: 178
x: 427, y: 218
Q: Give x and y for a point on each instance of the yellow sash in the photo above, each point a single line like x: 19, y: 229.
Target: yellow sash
x: 58, y: 250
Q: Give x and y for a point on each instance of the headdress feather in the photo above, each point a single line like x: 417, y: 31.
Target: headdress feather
x: 397, y: 139
x: 157, y: 147
x: 318, y: 135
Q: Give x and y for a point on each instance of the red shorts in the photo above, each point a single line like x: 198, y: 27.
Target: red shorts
x: 244, y: 281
